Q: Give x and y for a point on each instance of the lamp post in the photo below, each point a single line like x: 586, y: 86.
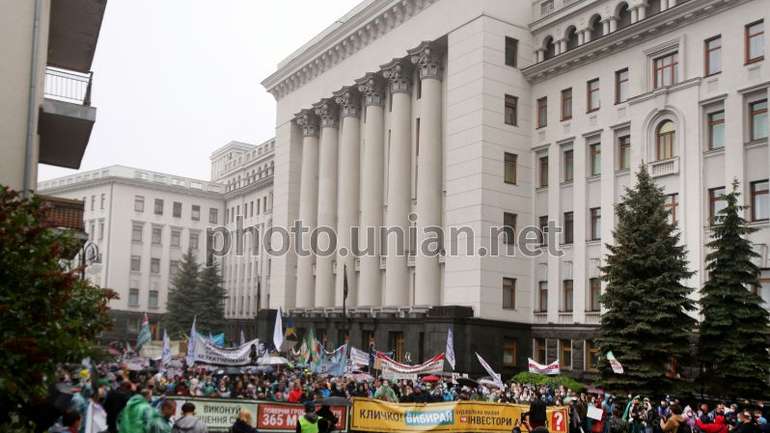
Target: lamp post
x: 88, y: 254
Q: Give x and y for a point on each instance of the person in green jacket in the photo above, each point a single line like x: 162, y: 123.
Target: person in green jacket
x: 161, y: 422
x: 136, y: 415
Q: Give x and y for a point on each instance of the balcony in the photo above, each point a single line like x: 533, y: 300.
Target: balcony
x: 73, y: 32
x: 66, y: 117
x: 66, y: 215
x: 665, y: 167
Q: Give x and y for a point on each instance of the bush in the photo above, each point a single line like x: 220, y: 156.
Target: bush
x: 526, y: 377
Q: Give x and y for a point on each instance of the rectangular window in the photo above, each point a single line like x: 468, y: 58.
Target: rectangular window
x: 755, y: 42
x: 716, y: 202
x: 713, y: 55
x: 136, y: 232
x: 593, y: 99
x: 138, y: 203
x: 622, y: 85
x: 596, y: 223
x: 157, y: 234
x: 542, y: 296
x: 196, y: 213
x: 595, y: 292
x: 133, y: 297
x: 538, y: 350
x: 152, y: 300
x: 511, y: 110
x: 93, y: 201
x: 543, y: 226
x: 101, y: 201
x: 569, y: 165
x: 173, y: 267
x: 569, y: 231
x: 760, y: 205
x: 671, y: 204
x: 542, y: 112
x: 136, y: 263
x: 567, y: 293
x: 176, y: 237
x: 510, y: 168
x: 155, y: 266
x: 101, y: 230
x: 193, y: 241
x: 592, y: 356
x: 509, y: 227
x: 565, y: 354
x: 716, y: 130
x: 158, y: 206
x: 566, y: 104
x: 509, y: 293
x: 543, y: 163
x: 546, y: 7
x: 213, y: 216
x: 595, y: 156
x: 510, y: 352
x: 511, y: 51
x: 758, y: 113
x: 666, y: 70
x: 624, y: 152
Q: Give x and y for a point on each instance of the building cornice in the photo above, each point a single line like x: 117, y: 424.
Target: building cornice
x: 650, y: 28
x: 133, y: 182
x: 258, y: 184
x: 365, y: 26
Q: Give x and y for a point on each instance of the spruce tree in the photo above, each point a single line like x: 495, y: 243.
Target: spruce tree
x: 646, y: 324
x: 735, y: 328
x: 210, y: 297
x: 184, y: 287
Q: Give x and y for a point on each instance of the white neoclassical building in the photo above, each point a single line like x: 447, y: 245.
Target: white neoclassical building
x: 509, y: 113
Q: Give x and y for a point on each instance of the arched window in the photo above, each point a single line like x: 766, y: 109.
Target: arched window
x: 623, y: 15
x: 665, y: 137
x: 596, y: 27
x: 572, y: 38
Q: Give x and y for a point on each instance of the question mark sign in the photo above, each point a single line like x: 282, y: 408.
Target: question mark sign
x: 557, y: 419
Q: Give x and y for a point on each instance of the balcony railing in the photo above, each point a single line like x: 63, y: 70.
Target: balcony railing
x: 665, y: 167
x: 68, y: 86
x: 64, y: 213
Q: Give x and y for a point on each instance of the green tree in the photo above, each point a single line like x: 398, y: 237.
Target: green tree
x: 182, y: 296
x: 211, y: 297
x: 735, y: 328
x: 48, y: 315
x: 646, y: 324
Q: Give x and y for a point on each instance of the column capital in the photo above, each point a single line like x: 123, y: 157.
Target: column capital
x: 399, y: 73
x: 372, y: 86
x: 349, y: 101
x: 308, y: 121
x: 328, y: 112
x: 427, y: 57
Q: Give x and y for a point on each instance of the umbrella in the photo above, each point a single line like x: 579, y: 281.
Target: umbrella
x: 430, y: 378
x: 465, y: 381
x: 272, y: 360
x: 334, y: 401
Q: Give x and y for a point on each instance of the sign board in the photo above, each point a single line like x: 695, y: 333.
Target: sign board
x: 595, y: 413
x: 282, y: 417
x: 219, y: 414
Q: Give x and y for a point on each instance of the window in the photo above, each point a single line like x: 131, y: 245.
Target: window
x: 136, y: 232
x: 157, y: 234
x: 565, y: 354
x: 101, y: 230
x: 569, y: 232
x: 510, y: 168
x: 595, y: 156
x: 155, y: 266
x: 543, y: 226
x: 176, y: 237
x: 510, y: 352
x: 713, y: 55
x: 542, y: 112
x: 133, y: 297
x: 665, y: 140
x: 622, y: 84
x: 716, y: 202
x: 666, y: 70
x: 543, y: 163
x: 542, y: 297
x: 213, y: 216
x: 593, y: 99
x: 101, y: 201
x: 760, y: 205
x: 511, y: 107
x: 193, y: 241
x: 716, y: 130
x: 569, y: 165
x: 595, y: 292
x: 592, y: 355
x: 173, y: 267
x: 93, y: 201
x: 546, y: 7
x: 136, y: 263
x: 758, y: 118
x: 567, y: 293
x: 397, y: 343
x: 509, y: 293
x: 511, y: 51
x: 138, y: 203
x: 196, y: 213
x: 538, y: 349
x: 152, y: 300
x: 624, y: 152
x: 671, y: 204
x: 755, y: 42
x: 158, y: 206
x: 596, y: 223
x: 566, y: 104
x: 509, y: 228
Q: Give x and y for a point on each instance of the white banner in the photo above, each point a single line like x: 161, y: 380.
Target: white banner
x: 495, y: 376
x: 392, y: 369
x: 617, y: 367
x: 450, y: 348
x: 537, y: 368
x: 207, y: 353
x: 358, y: 357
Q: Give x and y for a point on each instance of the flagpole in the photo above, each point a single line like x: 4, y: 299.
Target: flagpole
x: 344, y: 301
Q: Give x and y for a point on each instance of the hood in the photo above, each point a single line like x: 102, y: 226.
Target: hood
x: 186, y: 422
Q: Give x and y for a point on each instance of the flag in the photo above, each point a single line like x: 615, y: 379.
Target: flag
x: 243, y: 338
x: 144, y: 334
x: 291, y: 331
x: 191, y: 344
x: 450, y: 348
x: 278, y: 330
x: 495, y: 377
x: 617, y: 368
x: 538, y: 368
x: 217, y: 340
x: 165, y: 354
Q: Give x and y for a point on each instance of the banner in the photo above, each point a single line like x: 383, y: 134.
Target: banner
x: 358, y: 357
x: 207, y: 353
x: 332, y: 363
x: 617, y: 367
x: 450, y: 348
x: 282, y: 417
x: 457, y: 416
x: 495, y: 376
x: 537, y: 368
x: 394, y: 370
x: 219, y: 414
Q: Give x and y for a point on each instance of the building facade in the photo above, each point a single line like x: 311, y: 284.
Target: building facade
x: 499, y: 114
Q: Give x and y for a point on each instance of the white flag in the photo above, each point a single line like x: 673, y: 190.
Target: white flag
x: 617, y: 368
x: 191, y: 343
x: 450, y: 348
x: 165, y: 354
x: 96, y: 418
x: 278, y: 331
x: 538, y: 368
x: 495, y: 377
x: 243, y: 338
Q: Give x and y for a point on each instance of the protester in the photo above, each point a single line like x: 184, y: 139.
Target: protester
x: 243, y: 423
x: 670, y: 423
x: 537, y: 412
x: 115, y: 402
x: 189, y: 423
x: 327, y: 420
x: 308, y: 423
x: 161, y: 422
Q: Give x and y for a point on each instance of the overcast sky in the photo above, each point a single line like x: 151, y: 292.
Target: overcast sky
x: 176, y: 79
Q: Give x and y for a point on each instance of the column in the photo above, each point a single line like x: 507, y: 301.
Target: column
x: 349, y: 101
x: 539, y: 55
x: 327, y: 111
x: 642, y: 12
x: 734, y: 153
x: 586, y: 36
x: 308, y: 204
x: 609, y: 143
x: 399, y: 75
x: 555, y: 215
x: 370, y: 282
x: 613, y: 24
x: 581, y: 37
x: 582, y: 168
x: 427, y: 288
x: 606, y: 27
x: 634, y: 15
